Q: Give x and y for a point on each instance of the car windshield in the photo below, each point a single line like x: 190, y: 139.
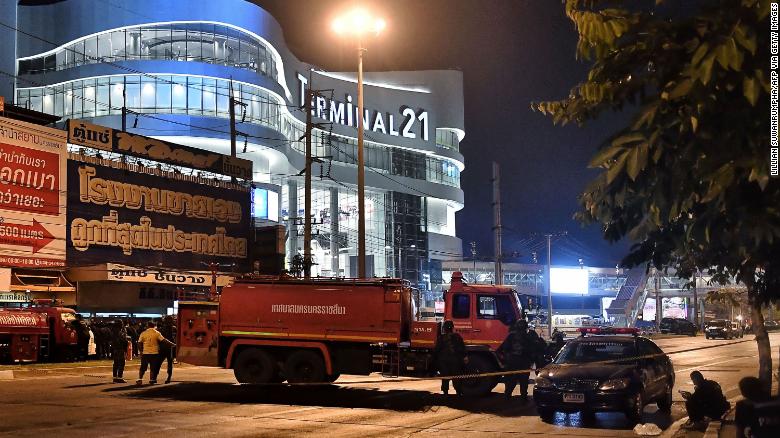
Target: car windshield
x: 718, y: 323
x: 595, y: 351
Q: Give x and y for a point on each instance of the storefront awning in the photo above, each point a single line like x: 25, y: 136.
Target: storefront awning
x: 123, y: 273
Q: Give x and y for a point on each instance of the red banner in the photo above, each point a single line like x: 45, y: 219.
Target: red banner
x: 29, y: 180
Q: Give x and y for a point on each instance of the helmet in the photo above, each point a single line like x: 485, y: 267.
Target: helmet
x: 448, y: 325
x: 521, y: 325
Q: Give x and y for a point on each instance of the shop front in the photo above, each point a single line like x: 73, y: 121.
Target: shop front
x: 114, y: 289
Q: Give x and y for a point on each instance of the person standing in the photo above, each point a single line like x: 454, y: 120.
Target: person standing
x: 82, y: 337
x: 119, y: 343
x: 450, y: 356
x: 168, y: 352
x: 519, y: 352
x: 149, y: 347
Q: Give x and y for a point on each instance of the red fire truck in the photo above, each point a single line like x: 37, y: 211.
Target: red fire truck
x: 272, y: 329
x: 39, y: 332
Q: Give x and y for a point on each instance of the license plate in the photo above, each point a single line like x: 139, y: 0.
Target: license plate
x: 576, y: 397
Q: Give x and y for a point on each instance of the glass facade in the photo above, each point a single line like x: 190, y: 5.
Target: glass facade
x: 158, y: 94
x: 346, y: 238
x: 447, y: 139
x: 200, y: 42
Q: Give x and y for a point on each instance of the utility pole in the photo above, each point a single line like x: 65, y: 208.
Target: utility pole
x: 658, y: 310
x: 498, y: 269
x: 307, y: 190
x: 549, y: 289
x: 696, y: 298
x: 124, y: 104
x: 232, y: 111
x: 474, y: 260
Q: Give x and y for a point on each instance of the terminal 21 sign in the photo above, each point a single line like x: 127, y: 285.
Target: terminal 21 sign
x: 123, y: 215
x: 407, y: 123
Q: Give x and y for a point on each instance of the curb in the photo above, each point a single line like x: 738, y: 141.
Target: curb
x: 713, y: 429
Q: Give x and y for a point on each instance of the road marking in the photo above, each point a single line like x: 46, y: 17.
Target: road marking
x: 714, y: 363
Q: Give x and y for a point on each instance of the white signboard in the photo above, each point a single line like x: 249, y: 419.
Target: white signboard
x: 32, y: 195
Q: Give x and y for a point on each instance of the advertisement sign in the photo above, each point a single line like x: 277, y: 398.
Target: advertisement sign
x: 112, y: 140
x: 569, y: 280
x: 32, y: 195
x: 119, y: 215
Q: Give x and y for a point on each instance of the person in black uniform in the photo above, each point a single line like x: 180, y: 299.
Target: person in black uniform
x: 707, y: 400
x: 450, y: 355
x: 82, y: 337
x: 519, y: 351
x: 119, y: 343
x: 167, y: 351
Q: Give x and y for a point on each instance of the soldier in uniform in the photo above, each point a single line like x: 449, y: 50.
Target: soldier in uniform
x: 450, y: 355
x: 167, y: 351
x: 119, y: 343
x: 519, y: 351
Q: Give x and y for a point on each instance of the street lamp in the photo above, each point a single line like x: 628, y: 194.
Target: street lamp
x: 358, y: 23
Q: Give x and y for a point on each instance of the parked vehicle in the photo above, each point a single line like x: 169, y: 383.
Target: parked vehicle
x: 272, y: 329
x: 737, y: 329
x: 604, y: 370
x: 771, y: 326
x: 678, y: 326
x: 39, y: 332
x: 719, y: 328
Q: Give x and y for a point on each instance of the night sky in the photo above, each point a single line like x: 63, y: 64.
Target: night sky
x: 511, y: 52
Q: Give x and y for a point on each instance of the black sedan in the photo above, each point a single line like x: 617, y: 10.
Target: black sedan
x: 605, y: 373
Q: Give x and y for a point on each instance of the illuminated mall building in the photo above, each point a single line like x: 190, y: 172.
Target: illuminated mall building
x: 174, y: 61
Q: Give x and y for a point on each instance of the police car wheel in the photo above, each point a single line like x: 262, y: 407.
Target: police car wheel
x: 634, y: 413
x: 665, y: 403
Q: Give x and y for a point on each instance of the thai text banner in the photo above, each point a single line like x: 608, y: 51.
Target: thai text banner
x: 133, y: 218
x: 113, y: 140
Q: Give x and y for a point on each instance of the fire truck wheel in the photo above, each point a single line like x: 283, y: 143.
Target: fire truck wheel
x: 304, y: 366
x: 254, y: 365
x: 480, y: 386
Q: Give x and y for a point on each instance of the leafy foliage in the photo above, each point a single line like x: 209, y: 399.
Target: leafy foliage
x: 687, y: 179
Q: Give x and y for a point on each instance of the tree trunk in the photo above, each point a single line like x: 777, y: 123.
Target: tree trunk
x: 764, y: 349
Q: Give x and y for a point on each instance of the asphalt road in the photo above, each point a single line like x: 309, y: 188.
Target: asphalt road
x: 80, y: 401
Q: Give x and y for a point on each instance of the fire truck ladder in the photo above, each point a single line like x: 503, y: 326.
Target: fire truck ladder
x: 391, y: 360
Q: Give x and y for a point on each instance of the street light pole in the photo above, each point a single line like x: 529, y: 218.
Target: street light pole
x: 359, y: 22
x: 549, y: 291
x: 361, y: 169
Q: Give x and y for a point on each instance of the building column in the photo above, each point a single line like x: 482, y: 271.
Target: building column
x: 334, y: 231
x: 292, y: 227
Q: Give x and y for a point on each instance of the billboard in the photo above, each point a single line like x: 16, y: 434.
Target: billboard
x: 123, y: 215
x: 569, y: 280
x: 32, y: 195
x: 113, y: 140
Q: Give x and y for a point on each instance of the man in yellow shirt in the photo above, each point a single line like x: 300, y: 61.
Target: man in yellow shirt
x: 149, y: 347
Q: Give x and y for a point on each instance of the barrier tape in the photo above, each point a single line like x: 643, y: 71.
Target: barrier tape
x: 502, y: 373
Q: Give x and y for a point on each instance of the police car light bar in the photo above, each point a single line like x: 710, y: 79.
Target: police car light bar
x: 609, y: 331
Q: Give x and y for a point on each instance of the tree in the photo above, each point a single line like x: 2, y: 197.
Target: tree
x: 687, y: 178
